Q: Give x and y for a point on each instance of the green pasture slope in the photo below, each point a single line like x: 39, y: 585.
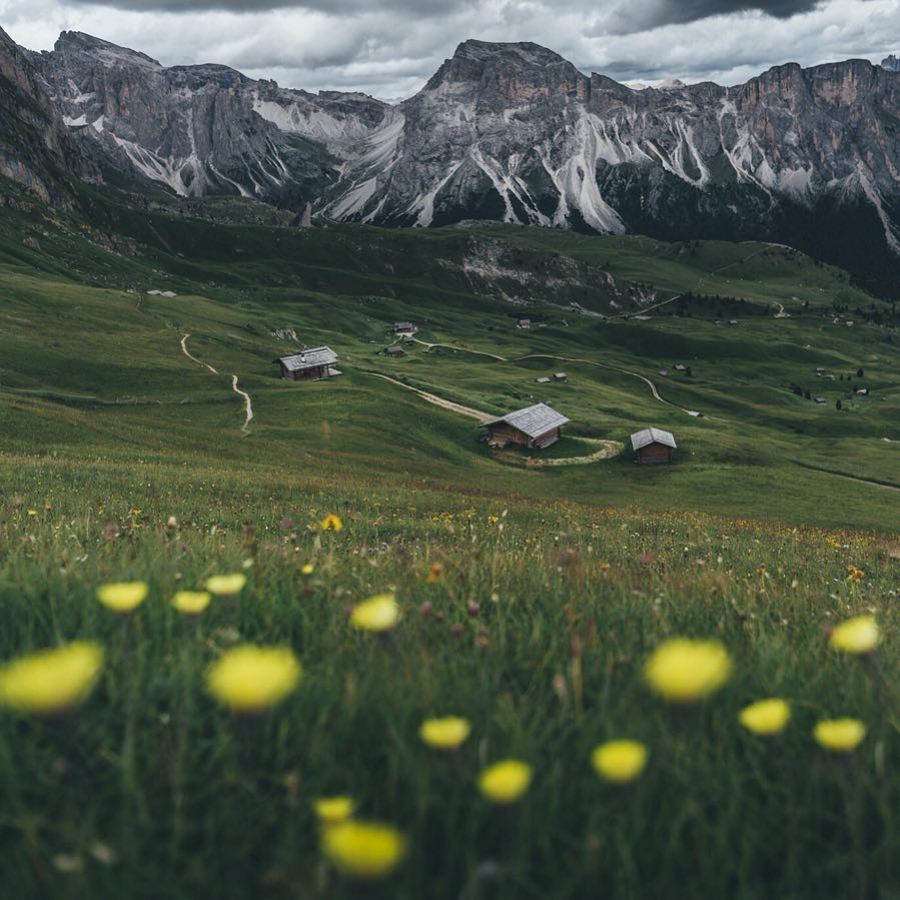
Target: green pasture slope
x: 122, y: 458
x: 91, y: 370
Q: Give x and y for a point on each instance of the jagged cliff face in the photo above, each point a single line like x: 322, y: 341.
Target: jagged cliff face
x: 35, y: 147
x: 202, y: 129
x: 514, y: 132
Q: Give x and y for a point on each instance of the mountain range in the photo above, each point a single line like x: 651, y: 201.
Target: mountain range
x: 511, y: 132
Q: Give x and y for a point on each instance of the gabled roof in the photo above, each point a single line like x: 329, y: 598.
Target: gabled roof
x: 533, y: 420
x: 308, y: 359
x: 652, y: 435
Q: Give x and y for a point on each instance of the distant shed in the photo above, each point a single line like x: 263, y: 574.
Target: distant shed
x: 309, y: 365
x: 535, y: 426
x: 395, y: 352
x: 653, y: 446
x: 405, y: 329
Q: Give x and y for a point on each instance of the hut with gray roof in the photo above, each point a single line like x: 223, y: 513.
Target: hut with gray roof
x: 535, y: 427
x: 309, y: 365
x: 653, y: 446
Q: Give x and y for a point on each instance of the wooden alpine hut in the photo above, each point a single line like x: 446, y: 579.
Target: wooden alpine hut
x: 535, y: 426
x: 653, y: 446
x: 309, y: 365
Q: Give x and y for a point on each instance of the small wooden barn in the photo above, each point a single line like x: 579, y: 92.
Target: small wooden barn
x: 535, y: 426
x: 309, y: 365
x: 405, y: 329
x: 395, y: 352
x: 653, y: 446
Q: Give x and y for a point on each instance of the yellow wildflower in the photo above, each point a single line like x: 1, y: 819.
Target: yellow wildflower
x: 435, y: 573
x: 307, y: 569
x: 378, y: 613
x: 445, y: 734
x: 858, y: 635
x: 191, y: 603
x: 333, y: 810
x: 364, y: 850
x: 855, y: 574
x: 332, y: 523
x: 124, y: 597
x: 32, y: 512
x: 226, y: 585
x: 839, y: 735
x: 766, y: 717
x: 249, y: 678
x: 51, y: 681
x: 619, y: 761
x: 684, y: 670
x: 505, y: 782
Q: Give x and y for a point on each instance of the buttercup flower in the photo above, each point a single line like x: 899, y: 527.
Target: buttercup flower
x: 506, y: 781
x: 226, y: 585
x: 619, y: 761
x: 378, y: 613
x: 51, y: 681
x: 249, y: 678
x: 435, y: 573
x: 333, y: 810
x: 766, y: 717
x: 191, y: 603
x: 445, y: 734
x: 124, y: 597
x: 364, y: 850
x: 859, y: 635
x: 839, y: 735
x: 332, y: 523
x: 683, y: 670
x: 307, y: 569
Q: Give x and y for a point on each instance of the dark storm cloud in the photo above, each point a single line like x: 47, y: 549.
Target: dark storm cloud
x: 642, y: 15
x: 623, y: 17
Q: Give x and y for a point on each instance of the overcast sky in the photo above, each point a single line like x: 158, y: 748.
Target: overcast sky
x: 390, y: 48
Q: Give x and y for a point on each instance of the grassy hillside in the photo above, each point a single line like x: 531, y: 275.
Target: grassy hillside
x: 530, y: 597
x: 92, y: 365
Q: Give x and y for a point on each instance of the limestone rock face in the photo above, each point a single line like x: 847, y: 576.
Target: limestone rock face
x: 36, y: 150
x: 511, y: 132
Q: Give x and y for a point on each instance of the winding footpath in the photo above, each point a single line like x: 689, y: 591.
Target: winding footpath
x: 437, y: 401
x: 248, y: 401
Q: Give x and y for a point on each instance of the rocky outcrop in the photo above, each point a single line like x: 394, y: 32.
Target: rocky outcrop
x: 201, y: 130
x: 36, y: 150
x: 514, y: 132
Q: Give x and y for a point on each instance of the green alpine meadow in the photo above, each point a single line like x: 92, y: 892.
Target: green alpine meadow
x: 373, y: 526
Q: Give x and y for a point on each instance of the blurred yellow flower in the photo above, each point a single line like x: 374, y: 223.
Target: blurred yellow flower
x: 684, y: 670
x: 619, y: 761
x: 226, y: 585
x: 840, y: 735
x: 364, y: 850
x: 506, y: 781
x: 249, y: 678
x: 378, y: 613
x: 855, y: 574
x: 191, y: 603
x: 766, y: 717
x: 307, y: 569
x: 857, y: 635
x: 124, y: 597
x: 333, y: 810
x: 332, y: 523
x: 435, y: 573
x: 51, y: 681
x: 445, y: 734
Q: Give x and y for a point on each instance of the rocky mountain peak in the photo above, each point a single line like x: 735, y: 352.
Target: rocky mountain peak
x: 525, y: 53
x: 111, y: 55
x: 891, y: 63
